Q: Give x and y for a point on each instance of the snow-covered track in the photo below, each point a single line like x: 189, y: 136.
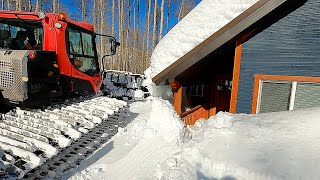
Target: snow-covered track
x: 34, y: 137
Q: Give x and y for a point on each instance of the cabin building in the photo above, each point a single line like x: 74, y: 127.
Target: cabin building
x: 267, y: 59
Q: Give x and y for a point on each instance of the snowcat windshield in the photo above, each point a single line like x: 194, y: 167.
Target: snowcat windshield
x: 18, y: 34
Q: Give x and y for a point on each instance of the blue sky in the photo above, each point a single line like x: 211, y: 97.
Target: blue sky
x: 172, y: 21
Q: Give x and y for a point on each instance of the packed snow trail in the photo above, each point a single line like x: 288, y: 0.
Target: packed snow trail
x: 139, y: 148
x: 31, y: 137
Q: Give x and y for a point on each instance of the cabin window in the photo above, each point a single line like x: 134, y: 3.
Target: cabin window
x: 281, y: 93
x: 81, y: 50
x: 17, y: 34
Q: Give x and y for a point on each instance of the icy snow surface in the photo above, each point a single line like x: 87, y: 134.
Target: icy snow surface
x: 204, y: 20
x: 155, y: 145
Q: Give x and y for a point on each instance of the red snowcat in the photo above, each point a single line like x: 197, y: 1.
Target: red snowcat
x: 45, y: 56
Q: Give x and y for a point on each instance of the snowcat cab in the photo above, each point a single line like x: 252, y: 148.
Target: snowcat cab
x: 43, y: 56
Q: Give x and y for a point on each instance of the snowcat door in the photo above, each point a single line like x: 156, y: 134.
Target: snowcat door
x: 86, y: 76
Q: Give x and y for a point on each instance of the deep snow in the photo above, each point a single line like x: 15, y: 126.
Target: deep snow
x: 156, y: 145
x: 204, y: 20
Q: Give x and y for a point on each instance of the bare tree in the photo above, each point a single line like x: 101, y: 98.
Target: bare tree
x: 161, y: 19
x: 30, y: 5
x: 54, y: 6
x: 38, y: 5
x: 148, y: 27
x: 120, y: 33
x: 102, y: 27
x: 83, y: 10
x: 168, y: 14
x: 8, y: 4
x: 154, y: 36
x: 181, y: 10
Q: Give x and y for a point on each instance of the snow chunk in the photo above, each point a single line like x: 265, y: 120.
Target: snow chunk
x: 164, y: 120
x: 204, y: 20
x: 222, y: 120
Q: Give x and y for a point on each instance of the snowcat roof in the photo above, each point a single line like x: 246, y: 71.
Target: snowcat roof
x: 34, y: 16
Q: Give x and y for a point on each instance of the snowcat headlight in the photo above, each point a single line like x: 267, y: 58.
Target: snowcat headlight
x: 58, y: 25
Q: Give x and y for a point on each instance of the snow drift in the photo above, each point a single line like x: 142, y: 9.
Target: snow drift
x: 282, y: 145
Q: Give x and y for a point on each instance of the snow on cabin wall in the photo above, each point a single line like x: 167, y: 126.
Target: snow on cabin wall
x: 288, y: 47
x: 204, y: 20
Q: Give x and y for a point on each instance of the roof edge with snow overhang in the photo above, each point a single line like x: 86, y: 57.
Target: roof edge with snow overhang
x: 217, y: 39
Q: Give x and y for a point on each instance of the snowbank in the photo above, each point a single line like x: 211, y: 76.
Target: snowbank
x: 267, y: 146
x: 281, y: 145
x: 204, y: 20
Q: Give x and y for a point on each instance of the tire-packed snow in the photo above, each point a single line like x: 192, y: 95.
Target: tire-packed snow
x: 29, y: 137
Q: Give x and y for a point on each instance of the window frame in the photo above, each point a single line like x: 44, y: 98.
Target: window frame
x: 80, y: 30
x: 293, y: 80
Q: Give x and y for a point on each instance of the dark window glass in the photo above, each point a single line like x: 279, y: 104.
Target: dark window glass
x: 20, y: 35
x: 81, y: 49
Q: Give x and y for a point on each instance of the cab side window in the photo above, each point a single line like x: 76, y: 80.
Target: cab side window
x: 81, y: 51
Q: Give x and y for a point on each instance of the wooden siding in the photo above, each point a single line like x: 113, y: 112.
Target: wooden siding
x: 288, y: 47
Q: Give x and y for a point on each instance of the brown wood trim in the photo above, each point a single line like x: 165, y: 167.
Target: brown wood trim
x: 177, y: 100
x: 193, y: 117
x: 235, y: 78
x: 255, y: 95
x: 212, y: 112
x: 287, y: 78
x: 191, y: 111
x: 229, y: 31
x: 259, y: 77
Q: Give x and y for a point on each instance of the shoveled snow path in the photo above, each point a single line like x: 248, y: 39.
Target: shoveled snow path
x: 141, y: 161
x: 135, y: 153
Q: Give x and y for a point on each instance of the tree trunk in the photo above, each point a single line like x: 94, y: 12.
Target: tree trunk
x: 168, y: 14
x: 154, y: 37
x: 181, y: 10
x: 18, y: 5
x: 113, y: 18
x: 102, y: 27
x: 8, y: 4
x: 38, y: 4
x: 83, y: 10
x: 148, y: 28
x: 120, y: 37
x: 30, y: 6
x: 54, y: 6
x: 161, y: 20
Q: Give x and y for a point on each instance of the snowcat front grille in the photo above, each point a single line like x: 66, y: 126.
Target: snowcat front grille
x: 13, y: 66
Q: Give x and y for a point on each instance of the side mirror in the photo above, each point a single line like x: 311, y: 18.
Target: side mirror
x: 111, y: 45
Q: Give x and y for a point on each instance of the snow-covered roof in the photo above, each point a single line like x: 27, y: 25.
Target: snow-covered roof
x: 208, y: 26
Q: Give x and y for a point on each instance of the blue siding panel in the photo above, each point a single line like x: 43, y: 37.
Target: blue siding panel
x: 291, y: 46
